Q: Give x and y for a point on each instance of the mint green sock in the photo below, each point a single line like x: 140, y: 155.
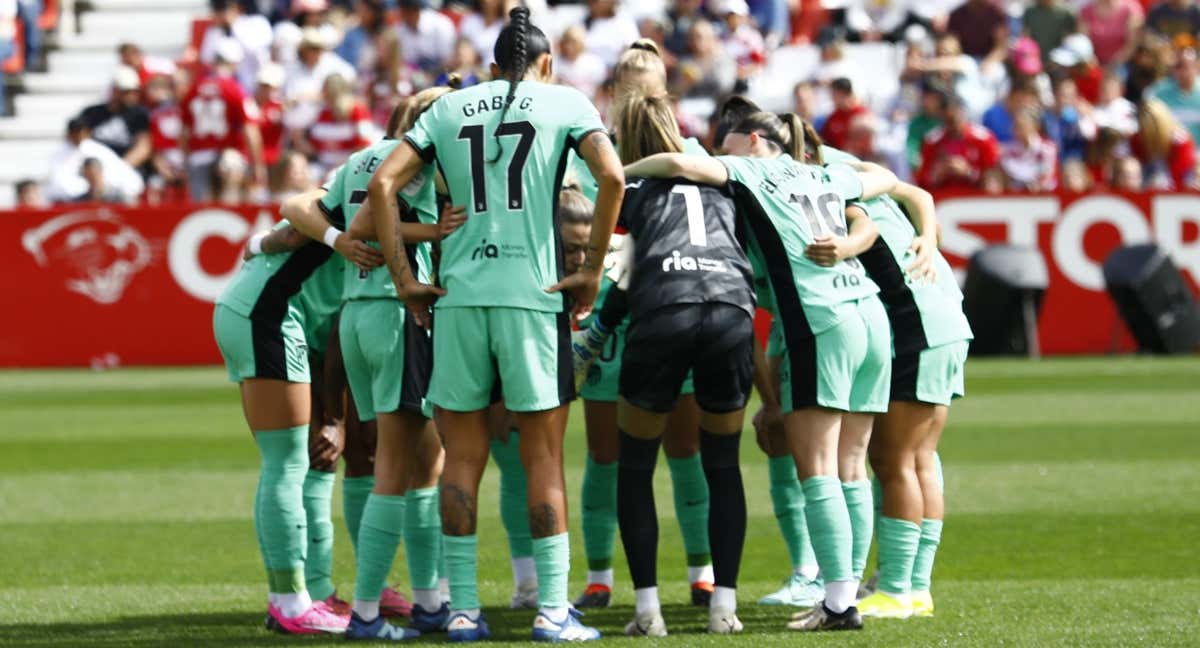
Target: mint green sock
x: 691, y: 507
x: 829, y: 526
x: 858, y: 505
x: 280, y: 508
x: 461, y: 559
x: 318, y: 564
x: 378, y: 539
x: 877, y: 505
x: 787, y: 498
x: 931, y: 537
x: 514, y: 494
x: 552, y: 559
x: 423, y: 536
x: 898, y: 541
x: 599, y: 500
x: 354, y: 497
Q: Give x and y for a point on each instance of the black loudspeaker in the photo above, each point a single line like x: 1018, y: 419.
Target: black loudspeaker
x: 1002, y: 298
x: 1153, y: 299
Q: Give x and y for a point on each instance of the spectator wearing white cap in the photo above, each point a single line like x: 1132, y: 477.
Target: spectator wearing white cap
x: 609, y: 30
x: 306, y: 76
x: 122, y: 123
x: 872, y: 20
x: 302, y: 15
x: 252, y: 32
x: 219, y: 116
x: 1079, y: 59
x: 426, y: 37
x: 270, y: 112
x: 741, y: 38
x: 577, y: 67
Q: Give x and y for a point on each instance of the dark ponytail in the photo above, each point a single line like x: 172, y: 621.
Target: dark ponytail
x: 770, y: 127
x: 519, y: 44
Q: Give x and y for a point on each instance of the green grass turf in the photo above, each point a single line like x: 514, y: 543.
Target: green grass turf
x: 1073, y: 499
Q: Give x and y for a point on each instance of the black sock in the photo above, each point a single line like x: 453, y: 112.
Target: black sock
x: 727, y: 504
x: 636, y: 514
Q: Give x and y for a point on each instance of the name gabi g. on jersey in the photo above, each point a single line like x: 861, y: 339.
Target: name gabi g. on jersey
x: 677, y: 263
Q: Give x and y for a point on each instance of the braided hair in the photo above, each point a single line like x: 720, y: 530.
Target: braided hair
x: 519, y: 44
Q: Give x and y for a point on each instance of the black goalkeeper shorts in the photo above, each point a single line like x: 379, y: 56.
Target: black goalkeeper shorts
x: 714, y: 341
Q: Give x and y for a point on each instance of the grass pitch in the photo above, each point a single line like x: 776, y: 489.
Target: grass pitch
x: 1073, y: 498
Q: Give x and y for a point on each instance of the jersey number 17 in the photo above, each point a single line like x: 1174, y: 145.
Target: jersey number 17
x: 474, y: 135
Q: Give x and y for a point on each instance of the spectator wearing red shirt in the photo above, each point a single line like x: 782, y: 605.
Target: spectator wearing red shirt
x: 846, y: 109
x: 217, y: 115
x: 270, y: 109
x: 343, y: 126
x: 959, y: 155
x: 166, y: 181
x: 1077, y: 56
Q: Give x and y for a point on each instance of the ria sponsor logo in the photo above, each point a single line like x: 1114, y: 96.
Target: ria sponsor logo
x: 678, y: 263
x: 485, y: 251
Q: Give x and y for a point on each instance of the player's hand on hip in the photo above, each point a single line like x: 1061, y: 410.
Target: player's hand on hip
x: 419, y: 298
x: 450, y: 220
x: 358, y: 252
x: 582, y: 286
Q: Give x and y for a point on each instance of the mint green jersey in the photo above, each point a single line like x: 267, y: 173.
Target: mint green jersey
x: 939, y: 303
x: 305, y: 284
x: 344, y: 195
x: 508, y: 175
x: 588, y: 184
x: 787, y: 205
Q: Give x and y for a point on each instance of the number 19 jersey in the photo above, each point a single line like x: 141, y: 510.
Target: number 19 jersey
x: 508, y: 176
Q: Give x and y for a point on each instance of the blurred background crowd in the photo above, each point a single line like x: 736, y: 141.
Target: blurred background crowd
x: 974, y: 95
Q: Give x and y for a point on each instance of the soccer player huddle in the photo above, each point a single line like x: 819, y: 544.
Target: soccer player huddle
x: 465, y: 275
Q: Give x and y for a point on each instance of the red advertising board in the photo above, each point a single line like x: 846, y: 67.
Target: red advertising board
x: 87, y: 285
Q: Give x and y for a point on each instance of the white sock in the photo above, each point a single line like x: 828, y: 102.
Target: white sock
x: 444, y: 589
x: 293, y: 604
x: 697, y: 574
x: 429, y: 599
x: 840, y: 595
x: 524, y: 571
x: 647, y: 600
x: 366, y: 610
x: 602, y: 577
x: 472, y: 614
x: 809, y: 572
x: 724, y: 598
x: 555, y: 614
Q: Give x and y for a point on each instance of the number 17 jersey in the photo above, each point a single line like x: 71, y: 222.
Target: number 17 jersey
x: 508, y: 176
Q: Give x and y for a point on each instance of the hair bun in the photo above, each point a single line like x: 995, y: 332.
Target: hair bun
x: 519, y: 11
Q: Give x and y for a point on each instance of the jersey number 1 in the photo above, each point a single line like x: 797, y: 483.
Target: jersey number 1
x: 475, y: 137
x: 697, y: 234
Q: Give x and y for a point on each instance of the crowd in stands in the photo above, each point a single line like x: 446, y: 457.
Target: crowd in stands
x: 991, y: 96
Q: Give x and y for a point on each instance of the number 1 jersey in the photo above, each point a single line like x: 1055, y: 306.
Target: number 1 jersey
x: 508, y: 176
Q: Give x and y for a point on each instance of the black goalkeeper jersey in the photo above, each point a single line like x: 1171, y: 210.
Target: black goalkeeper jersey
x: 687, y: 246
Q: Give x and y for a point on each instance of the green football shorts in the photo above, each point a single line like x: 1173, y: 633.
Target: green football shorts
x: 847, y: 367
x: 528, y: 352
x: 388, y: 357
x: 933, y: 376
x: 255, y: 349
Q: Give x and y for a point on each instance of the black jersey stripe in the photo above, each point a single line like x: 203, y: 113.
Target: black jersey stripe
x: 335, y: 216
x: 408, y: 214
x: 797, y: 332
x: 427, y: 154
x: 560, y: 265
x: 566, y: 365
x: 271, y: 307
x: 908, y: 331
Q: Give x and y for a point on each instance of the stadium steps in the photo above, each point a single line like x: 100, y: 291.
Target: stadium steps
x: 78, y: 74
